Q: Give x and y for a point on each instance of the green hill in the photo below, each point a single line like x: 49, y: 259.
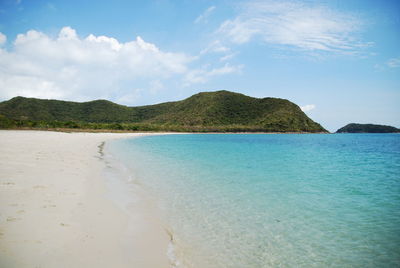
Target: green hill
x: 367, y: 128
x: 207, y: 111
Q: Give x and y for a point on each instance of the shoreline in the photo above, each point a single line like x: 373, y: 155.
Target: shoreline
x: 78, y: 130
x: 58, y: 210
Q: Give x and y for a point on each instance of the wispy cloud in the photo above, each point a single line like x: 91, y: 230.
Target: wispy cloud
x: 201, y: 76
x: 131, y: 96
x: 393, y: 62
x: 204, y: 16
x: 215, y: 46
x: 228, y: 56
x: 307, y: 107
x: 304, y: 26
x: 3, y: 39
x: 388, y: 64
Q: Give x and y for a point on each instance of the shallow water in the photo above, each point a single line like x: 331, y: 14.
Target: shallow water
x: 255, y: 200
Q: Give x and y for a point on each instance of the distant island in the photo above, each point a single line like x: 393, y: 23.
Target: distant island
x: 367, y: 128
x: 220, y: 111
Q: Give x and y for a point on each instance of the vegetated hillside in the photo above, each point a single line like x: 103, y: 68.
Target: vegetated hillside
x: 367, y: 128
x: 20, y: 108
x: 207, y: 111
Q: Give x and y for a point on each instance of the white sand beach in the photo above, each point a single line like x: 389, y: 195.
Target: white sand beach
x: 56, y: 210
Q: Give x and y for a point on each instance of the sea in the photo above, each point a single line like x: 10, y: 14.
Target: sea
x: 272, y: 200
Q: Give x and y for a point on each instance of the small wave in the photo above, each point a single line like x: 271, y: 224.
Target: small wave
x: 175, y: 263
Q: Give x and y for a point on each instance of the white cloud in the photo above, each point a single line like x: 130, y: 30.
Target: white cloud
x: 156, y: 86
x: 131, y: 96
x: 216, y: 47
x: 3, y: 39
x: 378, y: 67
x: 201, y: 76
x: 228, y: 56
x: 303, y: 26
x: 393, y: 62
x: 307, y: 107
x: 70, y: 67
x: 390, y: 63
x: 204, y: 16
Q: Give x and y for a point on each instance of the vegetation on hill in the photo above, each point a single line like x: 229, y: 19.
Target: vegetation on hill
x: 220, y: 111
x: 367, y: 128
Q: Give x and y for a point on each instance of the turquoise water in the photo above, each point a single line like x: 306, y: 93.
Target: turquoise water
x: 254, y: 200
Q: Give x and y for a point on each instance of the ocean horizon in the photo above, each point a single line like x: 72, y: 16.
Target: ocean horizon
x: 262, y: 200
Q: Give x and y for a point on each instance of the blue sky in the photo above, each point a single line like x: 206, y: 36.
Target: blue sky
x: 338, y: 60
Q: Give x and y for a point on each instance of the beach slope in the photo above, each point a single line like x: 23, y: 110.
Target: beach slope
x: 55, y: 210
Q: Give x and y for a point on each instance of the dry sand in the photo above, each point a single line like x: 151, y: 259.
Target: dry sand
x: 56, y: 210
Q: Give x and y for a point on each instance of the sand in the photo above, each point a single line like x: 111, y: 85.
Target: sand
x: 56, y: 208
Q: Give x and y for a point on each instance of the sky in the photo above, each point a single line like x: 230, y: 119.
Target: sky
x: 339, y: 60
